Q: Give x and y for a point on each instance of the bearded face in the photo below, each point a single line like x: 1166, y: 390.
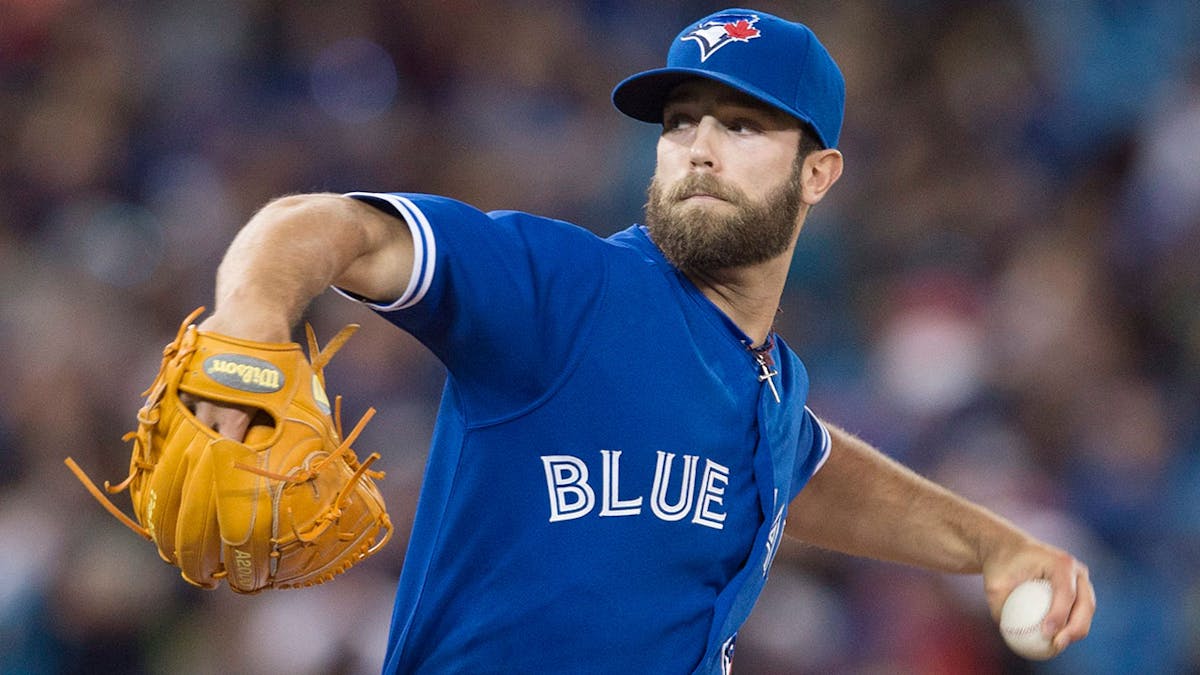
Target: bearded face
x: 703, y: 236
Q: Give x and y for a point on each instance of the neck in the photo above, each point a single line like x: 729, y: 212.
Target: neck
x: 749, y: 296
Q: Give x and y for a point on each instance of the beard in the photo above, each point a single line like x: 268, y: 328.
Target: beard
x: 706, y: 239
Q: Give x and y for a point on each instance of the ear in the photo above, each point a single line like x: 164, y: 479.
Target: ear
x: 821, y: 170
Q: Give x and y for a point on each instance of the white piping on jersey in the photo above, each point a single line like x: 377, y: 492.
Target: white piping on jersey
x: 424, y: 250
x: 826, y: 441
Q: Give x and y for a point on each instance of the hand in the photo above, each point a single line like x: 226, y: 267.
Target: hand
x: 1074, y: 600
x: 233, y: 421
x: 228, y: 420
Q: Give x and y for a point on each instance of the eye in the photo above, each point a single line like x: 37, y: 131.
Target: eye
x: 742, y: 125
x: 676, y: 121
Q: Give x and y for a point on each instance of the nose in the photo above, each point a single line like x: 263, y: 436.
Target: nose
x: 702, y: 152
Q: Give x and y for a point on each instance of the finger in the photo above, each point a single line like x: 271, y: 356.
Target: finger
x: 1082, y: 611
x: 205, y: 411
x: 230, y: 422
x: 233, y: 424
x: 1064, y: 582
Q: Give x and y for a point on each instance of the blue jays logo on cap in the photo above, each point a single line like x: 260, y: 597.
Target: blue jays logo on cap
x: 719, y: 30
x: 788, y: 69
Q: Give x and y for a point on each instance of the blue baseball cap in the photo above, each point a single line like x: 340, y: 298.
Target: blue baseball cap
x: 779, y: 62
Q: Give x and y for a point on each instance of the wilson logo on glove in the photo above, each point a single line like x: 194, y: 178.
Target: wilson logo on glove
x: 244, y: 372
x: 288, y: 505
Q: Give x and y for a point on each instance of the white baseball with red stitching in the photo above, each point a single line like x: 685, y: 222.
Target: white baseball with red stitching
x: 1021, y: 619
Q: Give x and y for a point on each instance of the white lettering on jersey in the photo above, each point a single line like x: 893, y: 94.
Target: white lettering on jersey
x: 611, y: 504
x: 571, y: 496
x: 662, y: 479
x: 773, y: 535
x: 710, y: 494
x: 727, y: 655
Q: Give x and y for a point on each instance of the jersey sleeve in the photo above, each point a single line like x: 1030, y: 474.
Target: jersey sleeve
x: 503, y: 299
x: 815, y: 444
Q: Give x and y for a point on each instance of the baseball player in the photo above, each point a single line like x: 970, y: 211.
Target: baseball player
x: 623, y: 438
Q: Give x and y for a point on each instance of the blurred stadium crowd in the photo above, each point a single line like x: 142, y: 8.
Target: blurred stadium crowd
x: 1002, y: 292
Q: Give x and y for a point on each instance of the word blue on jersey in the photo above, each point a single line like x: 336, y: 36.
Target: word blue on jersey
x: 609, y: 475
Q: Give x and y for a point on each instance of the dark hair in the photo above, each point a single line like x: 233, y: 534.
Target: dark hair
x: 809, y: 142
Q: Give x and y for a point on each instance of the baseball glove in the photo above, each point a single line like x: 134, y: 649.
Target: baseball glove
x: 289, y: 506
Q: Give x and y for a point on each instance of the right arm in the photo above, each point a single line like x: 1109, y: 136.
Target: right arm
x: 293, y: 249
x: 287, y: 254
x: 864, y: 503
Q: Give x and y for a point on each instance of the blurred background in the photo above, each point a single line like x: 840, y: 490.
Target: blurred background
x: 1003, y: 291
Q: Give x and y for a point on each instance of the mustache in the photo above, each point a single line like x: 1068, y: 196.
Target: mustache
x: 704, y: 184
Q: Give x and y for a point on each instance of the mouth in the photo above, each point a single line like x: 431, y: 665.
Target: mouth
x: 702, y: 197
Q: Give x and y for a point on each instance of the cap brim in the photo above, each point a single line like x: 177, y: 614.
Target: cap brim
x: 642, y: 96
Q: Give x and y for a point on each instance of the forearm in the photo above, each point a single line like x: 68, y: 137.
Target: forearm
x: 289, y: 253
x: 864, y: 503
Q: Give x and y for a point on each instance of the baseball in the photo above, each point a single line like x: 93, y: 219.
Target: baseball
x: 1021, y: 619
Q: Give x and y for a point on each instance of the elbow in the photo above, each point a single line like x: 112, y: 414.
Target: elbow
x: 303, y: 203
x: 317, y: 216
x: 321, y: 222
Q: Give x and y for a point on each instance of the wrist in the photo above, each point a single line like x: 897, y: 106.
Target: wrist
x: 259, y: 326
x: 1000, y: 543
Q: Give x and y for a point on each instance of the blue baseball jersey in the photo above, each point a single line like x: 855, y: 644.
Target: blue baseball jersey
x: 610, y: 468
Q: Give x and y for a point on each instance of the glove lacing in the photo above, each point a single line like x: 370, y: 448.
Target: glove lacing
x: 175, y: 353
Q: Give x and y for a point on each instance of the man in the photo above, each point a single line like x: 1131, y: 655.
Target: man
x: 622, y: 436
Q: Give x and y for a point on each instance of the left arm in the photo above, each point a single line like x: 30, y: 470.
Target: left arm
x: 863, y: 503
